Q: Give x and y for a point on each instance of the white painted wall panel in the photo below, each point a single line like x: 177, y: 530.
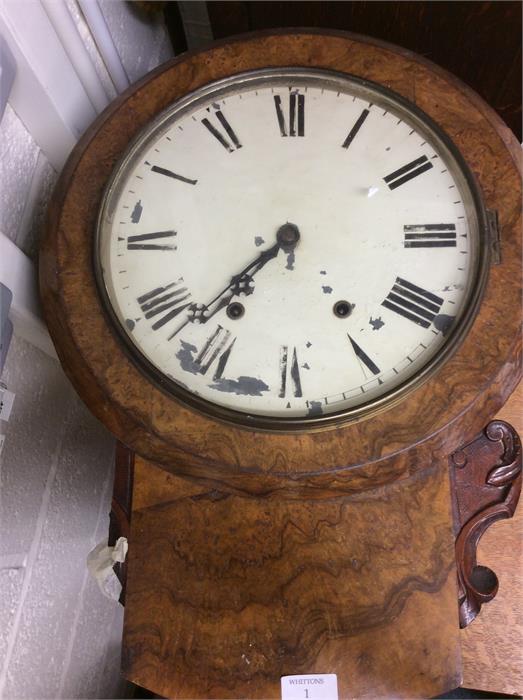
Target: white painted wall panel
x: 72, y: 460
x: 43, y: 401
x: 18, y: 156
x: 92, y: 664
x: 91, y: 48
x: 58, y: 636
x: 11, y: 582
x: 33, y: 219
x: 46, y: 94
x: 141, y: 41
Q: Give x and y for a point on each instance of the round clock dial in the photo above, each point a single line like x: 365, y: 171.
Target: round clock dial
x: 290, y: 244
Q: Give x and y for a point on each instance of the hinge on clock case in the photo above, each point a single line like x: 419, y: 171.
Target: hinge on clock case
x: 494, y: 237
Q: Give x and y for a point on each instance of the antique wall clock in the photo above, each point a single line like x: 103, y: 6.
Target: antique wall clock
x: 287, y: 270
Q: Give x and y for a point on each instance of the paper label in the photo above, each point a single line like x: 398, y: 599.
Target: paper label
x: 322, y: 686
x: 100, y: 562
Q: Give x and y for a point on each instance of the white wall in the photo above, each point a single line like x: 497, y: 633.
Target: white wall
x: 59, y: 637
x: 57, y: 632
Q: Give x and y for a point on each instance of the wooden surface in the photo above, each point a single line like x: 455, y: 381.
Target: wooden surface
x: 486, y: 477
x: 120, y: 517
x: 492, y: 646
x: 226, y: 594
x: 353, y: 455
x: 480, y: 42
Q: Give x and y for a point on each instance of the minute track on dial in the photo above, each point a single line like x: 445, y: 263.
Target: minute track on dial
x: 363, y: 357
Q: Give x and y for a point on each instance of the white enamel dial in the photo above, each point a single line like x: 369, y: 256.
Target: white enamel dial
x: 288, y: 245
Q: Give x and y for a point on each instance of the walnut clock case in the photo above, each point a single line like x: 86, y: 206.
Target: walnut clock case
x: 287, y: 270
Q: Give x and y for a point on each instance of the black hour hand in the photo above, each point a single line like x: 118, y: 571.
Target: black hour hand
x: 242, y: 285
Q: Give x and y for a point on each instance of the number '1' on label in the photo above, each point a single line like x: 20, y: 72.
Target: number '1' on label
x: 323, y: 686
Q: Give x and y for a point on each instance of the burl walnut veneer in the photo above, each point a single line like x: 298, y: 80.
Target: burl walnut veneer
x: 227, y: 593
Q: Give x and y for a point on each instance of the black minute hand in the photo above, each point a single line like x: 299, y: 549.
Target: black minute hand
x: 256, y: 265
x: 287, y: 237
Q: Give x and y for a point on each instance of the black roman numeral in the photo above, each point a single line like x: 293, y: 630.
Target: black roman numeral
x: 169, y: 173
x: 408, y: 172
x: 141, y: 242
x: 357, y: 126
x: 232, y: 143
x: 136, y: 214
x: 296, y: 114
x: 166, y: 302
x: 430, y: 236
x: 218, y: 347
x: 413, y: 302
x: 294, y: 372
x: 363, y: 357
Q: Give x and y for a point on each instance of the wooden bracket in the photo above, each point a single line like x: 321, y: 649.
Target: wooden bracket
x: 487, y: 483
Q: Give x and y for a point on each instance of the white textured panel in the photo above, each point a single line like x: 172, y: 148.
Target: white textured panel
x: 110, y: 684
x: 35, y: 512
x: 37, y: 663
x: 94, y: 619
x: 164, y: 49
x: 91, y: 48
x: 33, y: 219
x: 44, y: 398
x: 11, y: 581
x: 92, y: 643
x: 141, y: 39
x: 18, y: 274
x: 58, y: 635
x: 47, y: 94
x: 7, y: 74
x: 78, y: 495
x: 18, y: 154
x: 105, y: 43
x: 70, y: 39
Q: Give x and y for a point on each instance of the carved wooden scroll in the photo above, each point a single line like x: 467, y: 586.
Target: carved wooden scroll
x: 487, y: 481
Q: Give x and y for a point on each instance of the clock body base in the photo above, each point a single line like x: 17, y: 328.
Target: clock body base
x: 226, y: 593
